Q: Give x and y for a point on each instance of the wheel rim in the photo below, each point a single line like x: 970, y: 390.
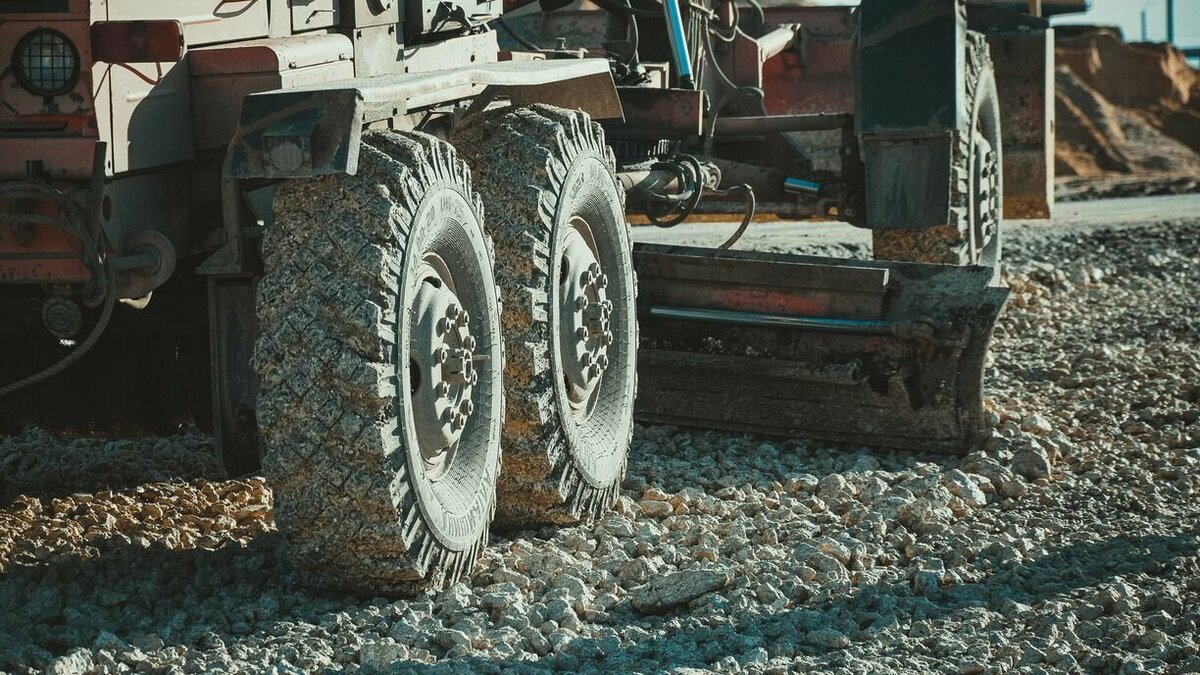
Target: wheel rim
x: 984, y: 201
x: 594, y: 284
x: 442, y: 373
x: 448, y: 356
x: 584, y: 331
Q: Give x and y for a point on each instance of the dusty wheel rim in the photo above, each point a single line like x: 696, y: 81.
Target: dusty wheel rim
x: 584, y: 327
x: 441, y: 366
x: 984, y: 201
x: 449, y: 330
x: 595, y: 399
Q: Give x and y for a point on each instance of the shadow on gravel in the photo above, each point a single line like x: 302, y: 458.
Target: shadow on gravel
x: 872, y: 608
x: 202, y: 598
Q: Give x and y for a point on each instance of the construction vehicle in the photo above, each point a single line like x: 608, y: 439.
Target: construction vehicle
x: 392, y: 248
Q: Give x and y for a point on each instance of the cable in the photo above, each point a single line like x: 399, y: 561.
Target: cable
x: 631, y: 30
x: 733, y: 25
x: 513, y: 33
x: 685, y: 208
x: 613, y: 7
x: 110, y: 301
x: 747, y: 216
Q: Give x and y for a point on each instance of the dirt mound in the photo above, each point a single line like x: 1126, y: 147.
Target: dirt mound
x: 1125, y: 108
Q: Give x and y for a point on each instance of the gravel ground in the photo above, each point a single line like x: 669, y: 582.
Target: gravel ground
x: 1070, y: 541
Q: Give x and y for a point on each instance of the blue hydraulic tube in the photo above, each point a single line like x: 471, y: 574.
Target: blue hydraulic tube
x: 679, y: 46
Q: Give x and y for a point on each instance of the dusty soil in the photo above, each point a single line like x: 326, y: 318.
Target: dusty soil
x: 1070, y: 541
x: 1128, y: 118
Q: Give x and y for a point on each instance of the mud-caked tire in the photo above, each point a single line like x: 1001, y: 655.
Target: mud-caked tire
x: 973, y: 236
x: 564, y: 264
x: 361, y: 273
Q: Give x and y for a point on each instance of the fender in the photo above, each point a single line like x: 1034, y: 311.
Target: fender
x: 315, y: 131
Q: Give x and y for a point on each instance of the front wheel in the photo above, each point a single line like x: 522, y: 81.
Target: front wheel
x: 380, y: 370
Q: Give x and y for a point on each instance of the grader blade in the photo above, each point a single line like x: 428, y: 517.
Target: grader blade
x: 874, y: 353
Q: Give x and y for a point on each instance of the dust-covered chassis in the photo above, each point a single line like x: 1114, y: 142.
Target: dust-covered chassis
x: 385, y: 256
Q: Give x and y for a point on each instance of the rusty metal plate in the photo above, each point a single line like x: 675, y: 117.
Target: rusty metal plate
x: 866, y: 352
x: 668, y: 113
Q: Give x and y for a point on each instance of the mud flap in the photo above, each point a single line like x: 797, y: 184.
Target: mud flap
x: 865, y: 352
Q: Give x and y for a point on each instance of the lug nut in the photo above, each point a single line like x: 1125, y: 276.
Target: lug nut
x: 447, y: 416
x: 586, y: 278
x: 593, y: 372
x: 452, y: 311
x: 581, y: 303
x: 441, y: 354
x: 466, y: 407
x: 602, y: 361
x: 586, y: 359
x: 469, y: 342
x: 581, y: 333
x: 441, y: 389
x: 443, y: 325
x: 606, y: 338
x: 602, y: 281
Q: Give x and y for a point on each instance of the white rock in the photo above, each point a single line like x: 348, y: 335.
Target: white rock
x: 665, y: 593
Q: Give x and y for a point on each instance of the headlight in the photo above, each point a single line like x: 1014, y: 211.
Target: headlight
x: 46, y: 63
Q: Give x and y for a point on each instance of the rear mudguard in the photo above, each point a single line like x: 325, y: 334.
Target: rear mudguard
x: 875, y: 353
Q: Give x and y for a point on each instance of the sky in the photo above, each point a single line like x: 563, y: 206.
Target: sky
x: 1127, y: 15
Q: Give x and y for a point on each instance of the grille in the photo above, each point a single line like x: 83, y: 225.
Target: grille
x: 47, y: 63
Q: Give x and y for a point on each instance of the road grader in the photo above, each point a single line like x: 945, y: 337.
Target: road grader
x: 381, y: 249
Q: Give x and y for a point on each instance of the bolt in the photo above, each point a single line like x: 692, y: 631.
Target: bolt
x: 469, y: 342
x: 460, y: 421
x: 441, y: 354
x: 580, y: 303
x: 586, y: 278
x: 441, y: 389
x: 443, y: 325
x: 586, y: 359
x: 581, y: 333
x: 593, y: 372
x: 474, y: 377
x: 464, y: 317
x: 606, y: 338
x: 466, y: 407
x: 601, y: 280
x: 452, y: 311
x: 602, y: 361
x: 447, y: 416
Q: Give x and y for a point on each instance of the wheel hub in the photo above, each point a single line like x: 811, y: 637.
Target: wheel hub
x: 441, y: 367
x: 585, y: 312
x: 985, y: 197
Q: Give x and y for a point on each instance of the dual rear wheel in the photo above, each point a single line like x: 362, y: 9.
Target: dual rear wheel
x: 441, y: 346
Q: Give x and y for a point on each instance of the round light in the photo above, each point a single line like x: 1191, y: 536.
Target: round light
x: 46, y: 63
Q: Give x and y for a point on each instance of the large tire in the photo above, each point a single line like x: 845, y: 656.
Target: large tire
x: 977, y: 193
x: 367, y: 501
x: 555, y: 206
